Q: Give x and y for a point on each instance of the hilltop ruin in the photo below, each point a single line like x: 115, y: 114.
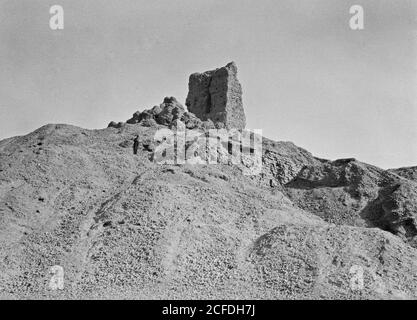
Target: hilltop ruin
x: 214, y: 101
x: 217, y: 95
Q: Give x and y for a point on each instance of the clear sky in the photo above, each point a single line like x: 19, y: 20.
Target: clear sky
x: 306, y: 76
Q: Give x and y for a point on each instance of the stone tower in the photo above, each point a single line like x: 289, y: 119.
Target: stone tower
x: 217, y: 95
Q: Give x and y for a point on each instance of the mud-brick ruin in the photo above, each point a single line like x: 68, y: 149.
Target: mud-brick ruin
x: 214, y: 101
x: 217, y: 95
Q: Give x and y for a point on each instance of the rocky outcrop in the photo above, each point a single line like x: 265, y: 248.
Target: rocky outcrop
x: 166, y: 114
x: 116, y: 125
x: 348, y: 192
x: 217, y: 95
x: 409, y: 173
x: 395, y: 210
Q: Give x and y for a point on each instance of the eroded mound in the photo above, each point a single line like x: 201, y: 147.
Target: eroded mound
x: 122, y: 226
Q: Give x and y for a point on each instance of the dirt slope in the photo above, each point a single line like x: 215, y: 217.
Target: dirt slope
x: 122, y: 226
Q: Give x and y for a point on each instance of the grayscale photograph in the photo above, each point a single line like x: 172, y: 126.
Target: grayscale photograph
x: 189, y: 150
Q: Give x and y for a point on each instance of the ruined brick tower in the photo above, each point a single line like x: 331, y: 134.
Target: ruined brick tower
x: 217, y: 95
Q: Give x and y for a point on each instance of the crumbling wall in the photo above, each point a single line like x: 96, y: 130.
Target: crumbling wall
x: 217, y: 95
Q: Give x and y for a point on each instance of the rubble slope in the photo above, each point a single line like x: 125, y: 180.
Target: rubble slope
x: 122, y: 226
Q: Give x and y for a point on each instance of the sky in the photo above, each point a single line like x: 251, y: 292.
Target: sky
x: 306, y: 76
